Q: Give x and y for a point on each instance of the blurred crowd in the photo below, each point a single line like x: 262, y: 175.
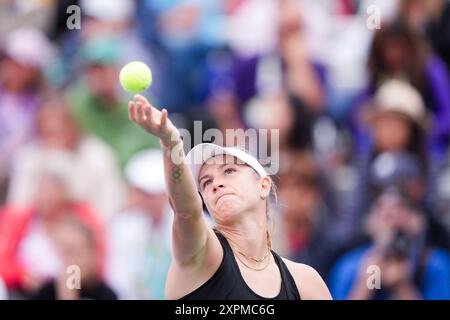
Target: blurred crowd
x: 363, y: 112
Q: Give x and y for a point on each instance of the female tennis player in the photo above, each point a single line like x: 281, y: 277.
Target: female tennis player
x: 233, y: 260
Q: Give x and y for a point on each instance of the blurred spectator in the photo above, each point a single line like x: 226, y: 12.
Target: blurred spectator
x: 222, y: 105
x: 103, y: 19
x: 27, y: 254
x: 431, y: 17
x: 76, y: 245
x: 303, y: 76
x: 438, y: 28
x: 288, y: 64
x: 32, y: 13
x: 98, y: 106
x: 140, y: 237
x: 184, y: 32
x: 93, y: 166
x: 397, y: 123
x: 285, y: 75
x: 252, y: 26
x: 332, y: 30
x: 400, y: 53
x: 409, y: 267
x: 100, y: 20
x: 287, y: 113
x: 304, y: 228
x: 24, y: 55
x: 398, y: 120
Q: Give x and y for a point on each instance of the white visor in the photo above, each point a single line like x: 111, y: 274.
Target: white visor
x: 200, y: 153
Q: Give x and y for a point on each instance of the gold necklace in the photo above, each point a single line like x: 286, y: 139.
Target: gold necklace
x: 252, y: 258
x: 269, y: 246
x: 253, y: 268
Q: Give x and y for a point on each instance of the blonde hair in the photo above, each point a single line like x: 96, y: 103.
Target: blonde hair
x: 271, y: 200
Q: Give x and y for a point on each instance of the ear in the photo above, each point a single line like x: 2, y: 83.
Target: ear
x: 266, y: 185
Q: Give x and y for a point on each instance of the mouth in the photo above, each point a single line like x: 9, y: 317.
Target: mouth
x: 223, y: 195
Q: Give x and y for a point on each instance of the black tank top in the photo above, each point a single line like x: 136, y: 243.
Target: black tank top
x: 227, y: 282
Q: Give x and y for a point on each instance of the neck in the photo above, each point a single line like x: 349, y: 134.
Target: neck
x: 248, y: 236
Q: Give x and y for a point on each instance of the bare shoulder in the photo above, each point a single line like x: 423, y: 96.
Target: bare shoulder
x: 309, y: 282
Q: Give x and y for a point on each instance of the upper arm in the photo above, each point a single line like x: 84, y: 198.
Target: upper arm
x: 189, y: 238
x: 309, y: 283
x: 190, y: 230
x: 193, y: 241
x: 188, y: 272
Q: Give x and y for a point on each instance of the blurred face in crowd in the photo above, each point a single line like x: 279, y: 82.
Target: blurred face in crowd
x: 76, y: 246
x: 181, y: 19
x: 57, y: 128
x: 102, y: 79
x: 391, y: 214
x: 391, y: 132
x: 94, y: 28
x: 417, y: 12
x: 300, y: 197
x: 16, y: 77
x: 414, y: 12
x: 224, y: 108
x: 153, y: 203
x: 231, y: 189
x: 281, y: 117
x: 395, y: 54
x: 51, y: 195
x: 289, y: 19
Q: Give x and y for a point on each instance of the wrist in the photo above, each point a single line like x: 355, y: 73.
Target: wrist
x: 172, y: 143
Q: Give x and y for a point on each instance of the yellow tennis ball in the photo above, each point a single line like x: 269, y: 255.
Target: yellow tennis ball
x: 135, y: 77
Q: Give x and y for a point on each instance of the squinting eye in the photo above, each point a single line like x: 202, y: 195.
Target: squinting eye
x: 229, y: 170
x: 206, y: 183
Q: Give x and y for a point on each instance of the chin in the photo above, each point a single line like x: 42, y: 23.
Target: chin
x: 226, y: 212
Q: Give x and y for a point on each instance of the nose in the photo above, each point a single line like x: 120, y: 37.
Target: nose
x: 218, y: 186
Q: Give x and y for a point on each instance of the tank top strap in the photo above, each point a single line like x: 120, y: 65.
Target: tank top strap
x: 287, y: 279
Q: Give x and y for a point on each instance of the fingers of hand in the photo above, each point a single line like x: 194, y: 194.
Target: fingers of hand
x: 140, y: 113
x: 141, y: 99
x: 148, y: 114
x: 132, y: 111
x: 163, y: 118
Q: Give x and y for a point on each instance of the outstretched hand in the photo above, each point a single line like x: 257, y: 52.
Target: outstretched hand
x: 153, y: 120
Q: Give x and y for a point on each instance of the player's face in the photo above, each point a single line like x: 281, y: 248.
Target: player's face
x: 229, y: 188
